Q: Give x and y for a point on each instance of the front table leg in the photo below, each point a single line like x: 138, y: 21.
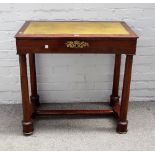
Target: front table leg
x: 122, y: 122
x: 27, y: 108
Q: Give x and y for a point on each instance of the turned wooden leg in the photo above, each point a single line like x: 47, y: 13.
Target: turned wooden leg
x: 27, y: 108
x: 114, y: 98
x: 33, y: 80
x: 122, y: 123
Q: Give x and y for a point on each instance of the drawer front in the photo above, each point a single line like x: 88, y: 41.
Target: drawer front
x: 76, y: 46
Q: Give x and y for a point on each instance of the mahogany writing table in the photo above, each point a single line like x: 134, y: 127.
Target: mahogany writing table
x: 75, y: 37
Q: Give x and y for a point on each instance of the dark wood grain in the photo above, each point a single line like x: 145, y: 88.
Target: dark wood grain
x: 114, y: 98
x: 98, y: 44
x: 74, y: 112
x: 116, y: 109
x: 122, y: 123
x: 33, y: 80
x: 27, y: 108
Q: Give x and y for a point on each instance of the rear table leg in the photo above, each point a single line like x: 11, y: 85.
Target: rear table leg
x: 114, y: 98
x: 34, y: 96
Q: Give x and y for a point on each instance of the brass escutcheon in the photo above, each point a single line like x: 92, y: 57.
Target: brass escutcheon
x: 76, y: 44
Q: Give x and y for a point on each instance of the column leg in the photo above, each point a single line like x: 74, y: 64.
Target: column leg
x: 34, y: 96
x: 122, y: 122
x: 27, y: 108
x: 114, y: 98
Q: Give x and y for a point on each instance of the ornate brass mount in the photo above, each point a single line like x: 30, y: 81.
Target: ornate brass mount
x: 76, y: 44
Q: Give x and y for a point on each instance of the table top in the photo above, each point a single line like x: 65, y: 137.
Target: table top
x: 75, y: 29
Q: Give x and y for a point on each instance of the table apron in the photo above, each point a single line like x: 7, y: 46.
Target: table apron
x: 109, y: 46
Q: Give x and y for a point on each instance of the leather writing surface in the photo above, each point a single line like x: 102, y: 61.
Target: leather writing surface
x: 107, y: 28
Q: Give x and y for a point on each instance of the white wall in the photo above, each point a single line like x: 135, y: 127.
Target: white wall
x: 77, y: 77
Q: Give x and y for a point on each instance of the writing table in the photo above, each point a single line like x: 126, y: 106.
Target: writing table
x: 97, y: 37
